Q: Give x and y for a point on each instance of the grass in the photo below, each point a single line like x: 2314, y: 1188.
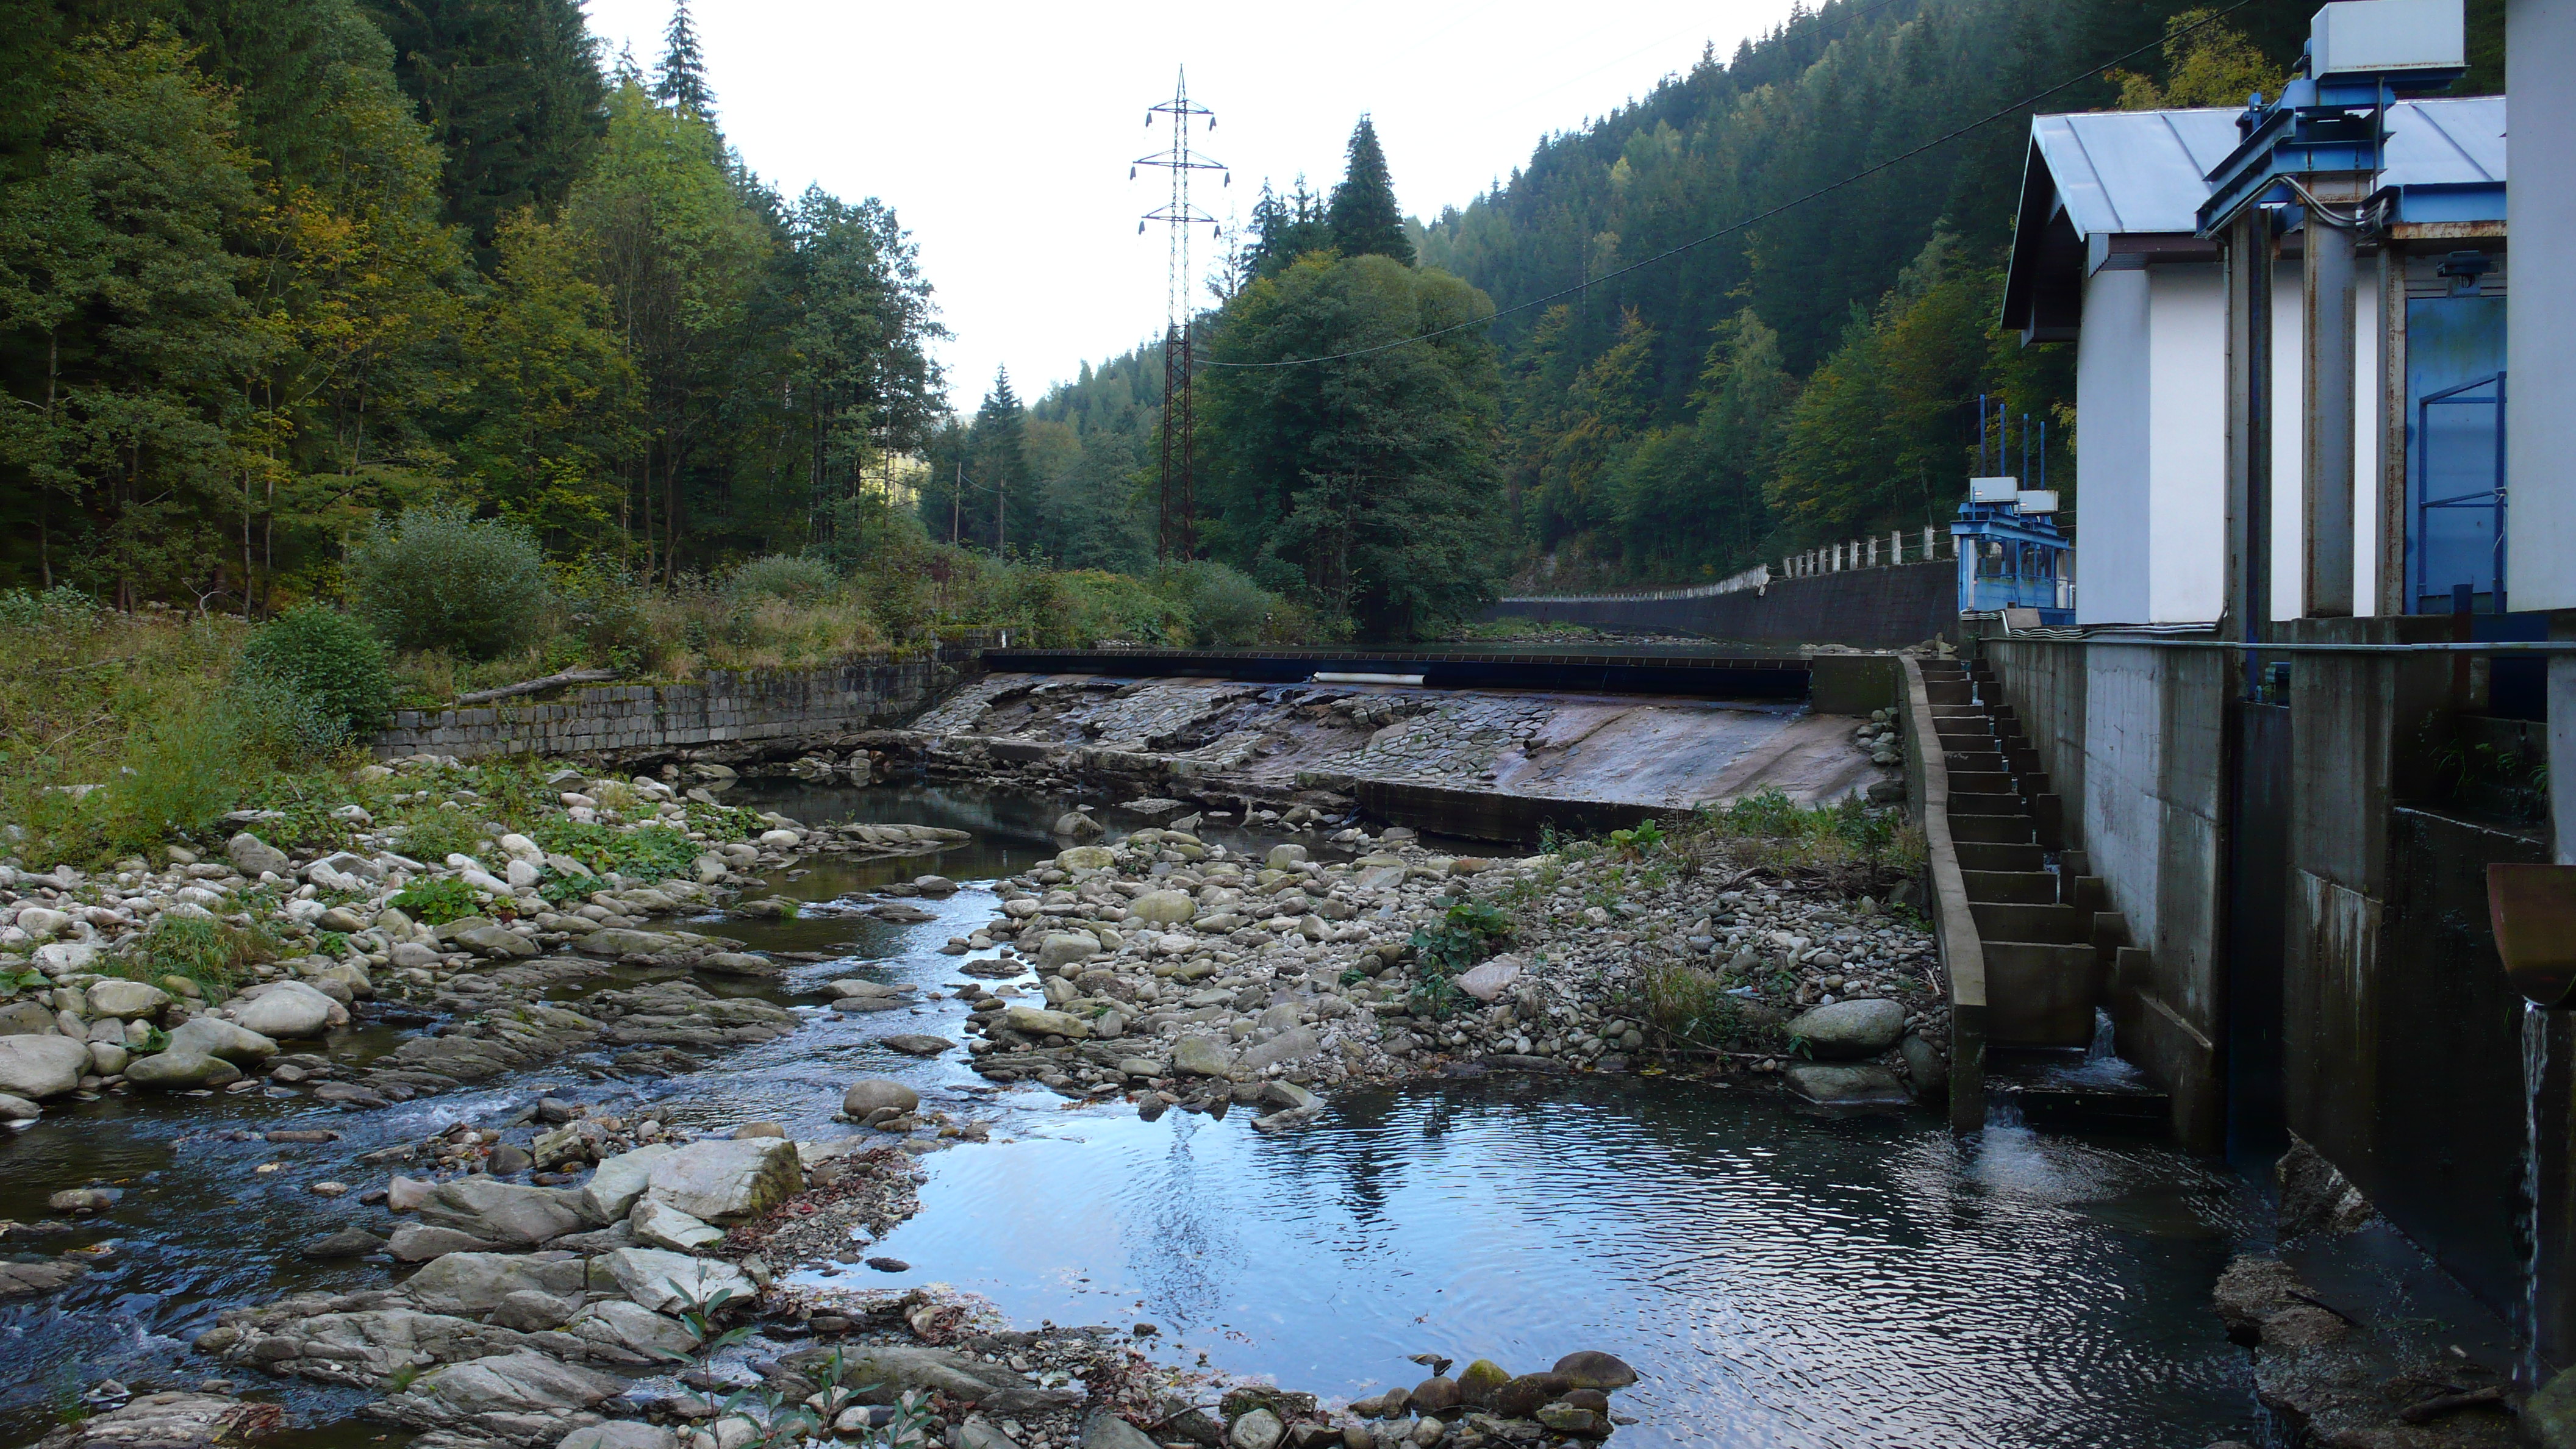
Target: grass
x: 1688, y: 1006
x: 216, y: 956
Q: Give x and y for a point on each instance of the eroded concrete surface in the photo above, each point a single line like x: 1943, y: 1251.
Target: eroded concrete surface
x: 1627, y: 749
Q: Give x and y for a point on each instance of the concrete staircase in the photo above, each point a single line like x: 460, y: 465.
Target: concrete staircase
x: 2043, y: 977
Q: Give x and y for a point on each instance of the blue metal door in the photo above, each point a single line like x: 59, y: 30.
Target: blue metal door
x: 2455, y: 483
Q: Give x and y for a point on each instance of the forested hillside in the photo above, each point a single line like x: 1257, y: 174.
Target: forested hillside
x: 270, y: 269
x: 1815, y: 375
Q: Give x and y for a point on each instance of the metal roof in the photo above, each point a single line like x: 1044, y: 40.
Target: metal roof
x: 2127, y: 172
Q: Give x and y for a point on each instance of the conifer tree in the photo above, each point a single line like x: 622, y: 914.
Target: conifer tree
x: 1363, y: 214
x: 680, y: 79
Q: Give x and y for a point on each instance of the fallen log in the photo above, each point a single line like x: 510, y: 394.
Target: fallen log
x: 534, y: 686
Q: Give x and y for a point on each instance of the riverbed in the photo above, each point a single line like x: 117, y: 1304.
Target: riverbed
x: 1777, y: 1275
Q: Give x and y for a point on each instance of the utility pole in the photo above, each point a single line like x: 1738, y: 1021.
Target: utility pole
x: 1178, y: 537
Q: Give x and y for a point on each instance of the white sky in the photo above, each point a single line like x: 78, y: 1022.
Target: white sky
x: 1001, y: 133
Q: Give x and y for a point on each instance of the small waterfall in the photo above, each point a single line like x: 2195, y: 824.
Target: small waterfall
x: 2101, y: 1047
x: 2535, y: 1072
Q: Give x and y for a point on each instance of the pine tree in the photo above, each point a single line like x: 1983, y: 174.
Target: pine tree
x: 997, y: 470
x: 681, y: 78
x: 510, y: 89
x: 1363, y: 215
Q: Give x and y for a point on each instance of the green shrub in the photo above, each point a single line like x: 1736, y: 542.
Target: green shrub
x: 214, y: 955
x: 432, y: 833
x: 60, y: 607
x: 792, y: 577
x: 442, y: 579
x: 275, y: 725
x: 1688, y: 1006
x: 1224, y: 606
x: 651, y: 852
x: 437, y: 902
x: 610, y: 614
x: 333, y: 660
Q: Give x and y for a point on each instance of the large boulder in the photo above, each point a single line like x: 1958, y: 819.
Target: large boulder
x: 873, y: 1095
x: 893, y: 1369
x: 216, y: 1037
x: 170, y: 1420
x: 613, y: 1188
x: 284, y: 1011
x: 251, y: 855
x: 620, y: 941
x: 526, y: 1398
x: 37, y: 1067
x: 497, y: 941
x: 1488, y: 980
x: 1074, y: 825
x: 1849, y: 1030
x: 728, y: 1181
x: 657, y: 1224
x: 1064, y: 948
x: 181, y: 1071
x: 1844, y: 1084
x: 27, y: 1018
x: 619, y: 1434
x: 1592, y: 1369
x: 470, y: 1285
x: 1164, y: 908
x: 1201, y: 1056
x: 1086, y: 857
x: 1039, y: 1022
x: 125, y: 1000
x: 507, y: 1213
x: 1295, y: 1044
x: 667, y: 1282
x: 623, y: 1332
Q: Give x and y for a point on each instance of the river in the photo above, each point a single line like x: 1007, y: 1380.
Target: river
x: 1778, y: 1276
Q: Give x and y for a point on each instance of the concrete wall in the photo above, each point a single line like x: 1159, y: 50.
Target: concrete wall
x: 1880, y: 608
x: 717, y: 716
x: 2150, y: 389
x: 2540, y: 343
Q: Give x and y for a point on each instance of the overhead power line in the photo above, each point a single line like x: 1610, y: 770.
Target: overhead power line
x: 1829, y: 188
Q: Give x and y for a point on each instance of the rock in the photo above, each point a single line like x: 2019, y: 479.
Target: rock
x: 346, y: 1243
x: 1102, y: 1429
x: 26, y: 1018
x: 81, y: 1200
x: 915, y: 1044
x: 865, y: 1097
x: 1285, y: 857
x: 2550, y: 1413
x: 1201, y: 1056
x: 980, y: 1434
x: 285, y: 1011
x: 1085, y: 857
x: 499, y: 942
x: 421, y: 1243
x: 17, y: 1280
x: 1590, y: 1369
x: 612, y: 1190
x: 619, y: 941
x: 57, y: 957
x: 173, y: 1070
x: 1519, y: 1398
x: 1435, y: 1395
x: 657, y: 1224
x: 219, y: 1038
x: 1849, y: 1030
x: 125, y: 1000
x: 737, y: 963
x: 348, y: 1094
x: 18, y: 1109
x: 1064, y: 948
x: 727, y: 1182
x: 170, y: 1421
x: 1259, y: 1429
x: 413, y: 956
x: 1295, y: 1044
x: 1039, y: 1022
x: 108, y: 1059
x: 934, y: 885
x: 1844, y: 1084
x: 619, y: 1434
x: 506, y: 1160
x: 1164, y: 908
x: 1488, y: 980
x: 531, y: 1311
x: 251, y: 855
x: 665, y: 1282
x: 1074, y: 825
x: 630, y: 1333
x: 894, y: 1369
x: 1927, y: 1069
x: 504, y: 1391
x: 1478, y: 1382
x: 757, y: 1129
x: 469, y: 1285
x: 37, y: 1067
x: 1567, y: 1419
x: 509, y: 1213
x: 43, y: 921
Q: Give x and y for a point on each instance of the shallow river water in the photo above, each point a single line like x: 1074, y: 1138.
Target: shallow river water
x: 1778, y: 1276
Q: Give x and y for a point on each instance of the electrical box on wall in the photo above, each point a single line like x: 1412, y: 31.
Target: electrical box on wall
x: 2386, y: 38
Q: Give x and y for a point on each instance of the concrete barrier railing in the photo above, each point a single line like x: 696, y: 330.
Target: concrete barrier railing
x: 1954, y: 925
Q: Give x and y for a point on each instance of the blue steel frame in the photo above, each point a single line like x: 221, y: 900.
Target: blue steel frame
x: 2483, y: 498
x: 2033, y: 553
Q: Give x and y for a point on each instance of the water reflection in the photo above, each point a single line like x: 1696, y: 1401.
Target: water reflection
x: 1779, y: 1278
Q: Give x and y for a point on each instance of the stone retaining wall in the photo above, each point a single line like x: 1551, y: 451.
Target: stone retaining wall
x: 718, y: 714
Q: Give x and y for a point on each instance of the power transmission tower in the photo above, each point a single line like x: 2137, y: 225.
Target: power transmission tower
x: 1179, y: 495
